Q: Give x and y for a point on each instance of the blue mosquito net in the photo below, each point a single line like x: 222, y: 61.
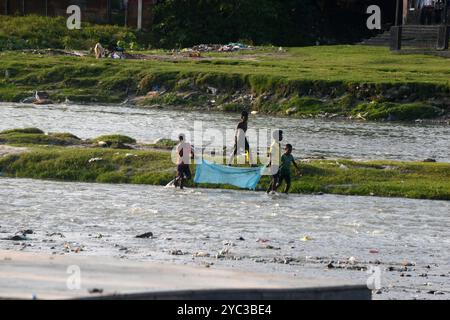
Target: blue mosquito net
x: 244, y: 178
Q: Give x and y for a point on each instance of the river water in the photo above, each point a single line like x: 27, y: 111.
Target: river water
x: 408, y: 240
x: 298, y: 236
x: 310, y: 137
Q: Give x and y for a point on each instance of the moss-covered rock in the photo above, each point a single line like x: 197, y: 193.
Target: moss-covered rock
x: 24, y: 130
x: 37, y: 137
x: 164, y: 144
x: 115, y: 139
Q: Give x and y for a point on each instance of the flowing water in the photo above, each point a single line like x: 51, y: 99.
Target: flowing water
x: 310, y: 137
x: 304, y: 236
x: 298, y: 236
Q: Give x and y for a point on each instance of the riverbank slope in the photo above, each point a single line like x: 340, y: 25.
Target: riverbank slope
x: 367, y: 83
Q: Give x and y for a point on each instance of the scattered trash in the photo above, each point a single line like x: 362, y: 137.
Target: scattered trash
x: 95, y: 160
x: 95, y: 291
x: 291, y: 111
x: 374, y: 251
x: 240, y: 239
x: 146, y: 235
x: 352, y: 260
x: 223, y: 253
x: 306, y: 238
x: 201, y: 254
x: 17, y: 238
x: 231, y: 47
x: 121, y: 248
x: 55, y: 234
x: 129, y: 155
x: 212, y: 90
x: 269, y: 247
x: 262, y: 240
x: 25, y: 232
x: 228, y: 243
x: 176, y: 252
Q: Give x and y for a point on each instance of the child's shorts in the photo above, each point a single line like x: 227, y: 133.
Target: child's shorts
x: 184, y: 171
x: 285, y: 177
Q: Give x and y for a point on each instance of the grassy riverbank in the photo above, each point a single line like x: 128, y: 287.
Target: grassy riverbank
x: 84, y: 161
x: 327, y: 81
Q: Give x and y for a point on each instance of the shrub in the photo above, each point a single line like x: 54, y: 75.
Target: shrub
x: 37, y: 32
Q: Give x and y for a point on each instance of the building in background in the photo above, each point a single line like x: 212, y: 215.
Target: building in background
x: 136, y: 14
x: 426, y: 12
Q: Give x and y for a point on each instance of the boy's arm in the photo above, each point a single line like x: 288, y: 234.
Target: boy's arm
x: 270, y: 160
x: 192, y: 153
x: 296, y: 166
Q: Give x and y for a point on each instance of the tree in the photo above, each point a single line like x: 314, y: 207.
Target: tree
x: 182, y: 23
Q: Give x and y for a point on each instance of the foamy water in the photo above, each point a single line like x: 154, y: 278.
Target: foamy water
x: 299, y: 236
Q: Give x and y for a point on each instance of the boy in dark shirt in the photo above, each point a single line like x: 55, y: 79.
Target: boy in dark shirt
x: 285, y: 168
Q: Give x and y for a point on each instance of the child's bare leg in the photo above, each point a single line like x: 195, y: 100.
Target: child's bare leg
x: 273, y: 184
x: 288, y: 185
x: 280, y: 181
x: 181, y: 183
x: 233, y: 155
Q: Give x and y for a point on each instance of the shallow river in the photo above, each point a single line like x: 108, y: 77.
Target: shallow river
x: 310, y: 137
x: 298, y: 236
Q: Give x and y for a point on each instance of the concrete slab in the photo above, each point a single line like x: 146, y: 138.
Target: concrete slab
x: 27, y: 276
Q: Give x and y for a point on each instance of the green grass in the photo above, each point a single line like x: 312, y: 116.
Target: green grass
x: 34, y: 136
x: 164, y: 144
x: 115, y: 138
x: 22, y: 130
x: 376, y: 178
x: 331, y: 79
x: 38, y: 32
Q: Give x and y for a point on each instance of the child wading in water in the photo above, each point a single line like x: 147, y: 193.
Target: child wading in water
x: 275, y: 159
x: 280, y: 166
x: 285, y: 169
x: 241, y: 140
x: 184, y: 154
